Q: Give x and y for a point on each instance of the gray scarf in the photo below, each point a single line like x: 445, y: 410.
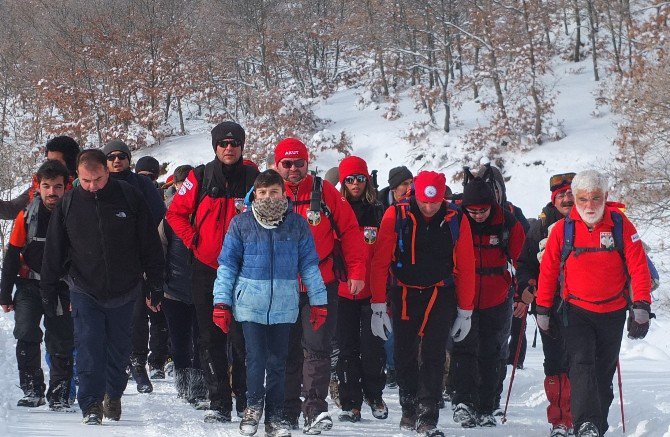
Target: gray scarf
x: 270, y: 213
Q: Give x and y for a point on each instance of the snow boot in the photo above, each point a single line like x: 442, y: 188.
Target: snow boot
x: 93, y: 415
x: 197, y: 391
x: 465, y: 416
x: 58, y: 395
x: 426, y: 430
x: 486, y: 420
x: 169, y: 367
x: 156, y: 372
x: 139, y: 372
x: 181, y: 381
x: 353, y: 415
x: 588, y: 429
x: 559, y: 431
x: 249, y: 422
x: 314, y: 425
x: 32, y: 384
x: 379, y: 408
x: 277, y: 429
x: 391, y: 381
x: 111, y: 408
x: 217, y: 413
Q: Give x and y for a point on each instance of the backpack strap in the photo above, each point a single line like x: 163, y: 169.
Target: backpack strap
x: 32, y: 217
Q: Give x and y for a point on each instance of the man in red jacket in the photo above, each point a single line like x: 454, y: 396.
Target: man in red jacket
x: 427, y: 244
x: 199, y: 214
x: 330, y: 218
x: 598, y: 280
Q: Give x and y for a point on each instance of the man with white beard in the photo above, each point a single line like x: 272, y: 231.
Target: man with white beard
x: 597, y: 255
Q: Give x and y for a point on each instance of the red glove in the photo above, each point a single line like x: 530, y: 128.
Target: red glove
x: 317, y: 316
x: 222, y: 316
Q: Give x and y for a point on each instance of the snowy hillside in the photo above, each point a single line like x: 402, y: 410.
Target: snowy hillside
x: 645, y: 364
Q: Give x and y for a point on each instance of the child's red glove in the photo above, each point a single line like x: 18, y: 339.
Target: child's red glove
x: 317, y: 316
x: 222, y: 316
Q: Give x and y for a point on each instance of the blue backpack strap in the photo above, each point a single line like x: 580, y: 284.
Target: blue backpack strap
x: 568, y: 239
x: 455, y: 222
x: 617, y: 233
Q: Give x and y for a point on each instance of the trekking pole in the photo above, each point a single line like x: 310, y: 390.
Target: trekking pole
x: 618, y: 371
x: 516, y: 361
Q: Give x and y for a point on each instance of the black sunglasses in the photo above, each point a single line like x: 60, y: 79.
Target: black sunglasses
x: 355, y: 177
x: 113, y: 156
x: 298, y: 163
x: 226, y: 143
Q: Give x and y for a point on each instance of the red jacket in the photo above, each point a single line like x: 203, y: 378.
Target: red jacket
x: 595, y: 276
x: 492, y: 288
x: 353, y: 245
x: 462, y: 252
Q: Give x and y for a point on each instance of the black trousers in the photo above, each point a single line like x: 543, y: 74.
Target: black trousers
x: 360, y: 368
x: 419, y: 360
x: 593, y: 341
x: 214, y: 344
x: 517, y: 324
x: 58, y: 336
x: 184, y: 336
x: 149, y: 328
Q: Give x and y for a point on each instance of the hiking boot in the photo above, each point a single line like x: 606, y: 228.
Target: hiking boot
x: 334, y: 390
x: 156, y: 373
x: 58, y: 395
x: 111, y: 408
x: 379, y: 408
x: 139, y: 372
x: 169, y: 367
x: 277, y: 429
x: 217, y: 415
x: 93, y: 415
x: 408, y: 422
x: 465, y: 416
x: 250, y: 419
x: 292, y: 422
x: 181, y: 381
x: 391, y: 381
x: 426, y: 430
x: 486, y: 420
x: 588, y: 429
x: 559, y: 431
x: 314, y: 425
x: 32, y: 384
x: 353, y: 415
x: 197, y: 392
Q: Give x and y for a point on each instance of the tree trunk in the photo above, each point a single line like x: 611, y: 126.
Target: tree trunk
x: 592, y: 35
x: 578, y: 32
x: 181, y: 117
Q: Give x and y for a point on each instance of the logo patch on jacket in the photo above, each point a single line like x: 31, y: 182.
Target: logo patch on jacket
x: 187, y: 184
x: 121, y: 214
x: 494, y: 240
x: 635, y: 238
x: 370, y: 234
x: 606, y: 240
x: 314, y: 217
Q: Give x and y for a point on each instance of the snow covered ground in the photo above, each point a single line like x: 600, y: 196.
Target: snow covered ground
x: 645, y: 364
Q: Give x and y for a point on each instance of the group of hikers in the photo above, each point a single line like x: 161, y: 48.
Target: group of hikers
x: 275, y: 288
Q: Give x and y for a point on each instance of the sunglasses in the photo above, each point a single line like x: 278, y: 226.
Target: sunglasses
x: 298, y: 163
x: 559, y: 180
x: 477, y: 211
x: 354, y: 178
x: 226, y: 143
x: 113, y: 156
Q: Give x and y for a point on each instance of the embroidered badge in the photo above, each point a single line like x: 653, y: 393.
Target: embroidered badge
x: 494, y: 240
x: 314, y: 217
x: 370, y: 234
x: 430, y: 191
x: 635, y: 238
x: 188, y: 184
x: 606, y: 240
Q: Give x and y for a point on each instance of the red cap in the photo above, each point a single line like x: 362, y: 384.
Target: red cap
x: 430, y: 186
x: 291, y: 148
x: 353, y: 165
x: 559, y: 190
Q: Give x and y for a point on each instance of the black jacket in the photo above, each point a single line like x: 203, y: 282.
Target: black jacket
x: 151, y: 194
x: 10, y: 208
x: 104, y: 245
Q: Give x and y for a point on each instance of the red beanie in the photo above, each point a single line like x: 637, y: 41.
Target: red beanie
x: 291, y: 148
x: 352, y: 165
x: 430, y: 186
x: 558, y: 190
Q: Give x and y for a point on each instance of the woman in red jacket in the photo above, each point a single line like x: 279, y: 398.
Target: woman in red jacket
x: 361, y: 317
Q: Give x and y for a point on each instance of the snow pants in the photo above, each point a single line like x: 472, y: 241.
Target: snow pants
x: 184, y: 336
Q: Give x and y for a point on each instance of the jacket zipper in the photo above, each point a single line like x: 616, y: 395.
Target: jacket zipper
x: 272, y: 261
x: 479, y: 295
x: 104, y: 246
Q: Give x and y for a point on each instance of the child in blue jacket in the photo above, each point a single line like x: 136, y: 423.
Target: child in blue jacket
x: 264, y: 251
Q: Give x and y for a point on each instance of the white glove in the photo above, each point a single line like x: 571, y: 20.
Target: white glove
x: 543, y: 243
x: 380, y: 320
x: 461, y: 325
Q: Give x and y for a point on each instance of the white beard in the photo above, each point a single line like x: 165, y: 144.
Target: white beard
x: 587, y: 219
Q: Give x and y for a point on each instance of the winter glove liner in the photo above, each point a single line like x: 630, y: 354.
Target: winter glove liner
x: 461, y: 325
x: 317, y: 316
x: 380, y: 323
x: 638, y: 320
x: 154, y: 293
x: 222, y: 317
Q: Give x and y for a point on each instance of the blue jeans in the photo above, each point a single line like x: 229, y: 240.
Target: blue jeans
x: 267, y: 349
x: 103, y: 343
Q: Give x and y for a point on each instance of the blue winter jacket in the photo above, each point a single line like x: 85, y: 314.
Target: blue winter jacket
x: 258, y: 270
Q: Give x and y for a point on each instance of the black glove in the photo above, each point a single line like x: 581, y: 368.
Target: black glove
x: 154, y: 293
x: 49, y: 304
x: 6, y: 298
x: 638, y: 320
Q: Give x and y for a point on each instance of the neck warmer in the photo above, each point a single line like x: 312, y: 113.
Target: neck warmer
x: 270, y: 213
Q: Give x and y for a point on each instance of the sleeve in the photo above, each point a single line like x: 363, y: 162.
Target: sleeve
x: 528, y: 267
x: 464, y: 266
x: 11, y: 264
x: 636, y: 263
x: 151, y: 250
x: 154, y: 199
x: 180, y: 210
x: 230, y: 263
x: 516, y: 240
x: 550, y: 267
x: 519, y: 215
x: 55, y: 251
x: 162, y: 236
x: 10, y: 208
x: 351, y: 236
x: 383, y: 253
x: 308, y: 266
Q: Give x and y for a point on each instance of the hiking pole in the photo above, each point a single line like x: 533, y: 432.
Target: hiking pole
x: 516, y: 361
x: 618, y: 371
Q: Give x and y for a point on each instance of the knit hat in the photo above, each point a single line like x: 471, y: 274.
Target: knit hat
x: 228, y: 130
x: 559, y: 183
x: 477, y: 192
x: 558, y: 190
x: 181, y: 173
x: 397, y: 175
x: 332, y: 175
x: 68, y: 147
x: 150, y: 164
x: 291, y: 148
x: 116, y: 146
x: 352, y: 165
x: 429, y: 186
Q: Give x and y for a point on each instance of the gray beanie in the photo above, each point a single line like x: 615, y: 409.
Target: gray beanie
x: 114, y: 146
x: 333, y: 175
x: 397, y: 175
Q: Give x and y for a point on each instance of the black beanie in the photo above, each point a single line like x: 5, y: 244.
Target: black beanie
x: 68, y: 147
x: 228, y: 130
x: 148, y: 163
x: 397, y: 175
x: 116, y: 146
x: 477, y: 192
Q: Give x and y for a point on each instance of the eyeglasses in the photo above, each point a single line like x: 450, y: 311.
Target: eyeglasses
x: 559, y: 180
x: 477, y: 211
x: 298, y: 163
x: 355, y: 177
x: 226, y: 143
x: 113, y: 156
